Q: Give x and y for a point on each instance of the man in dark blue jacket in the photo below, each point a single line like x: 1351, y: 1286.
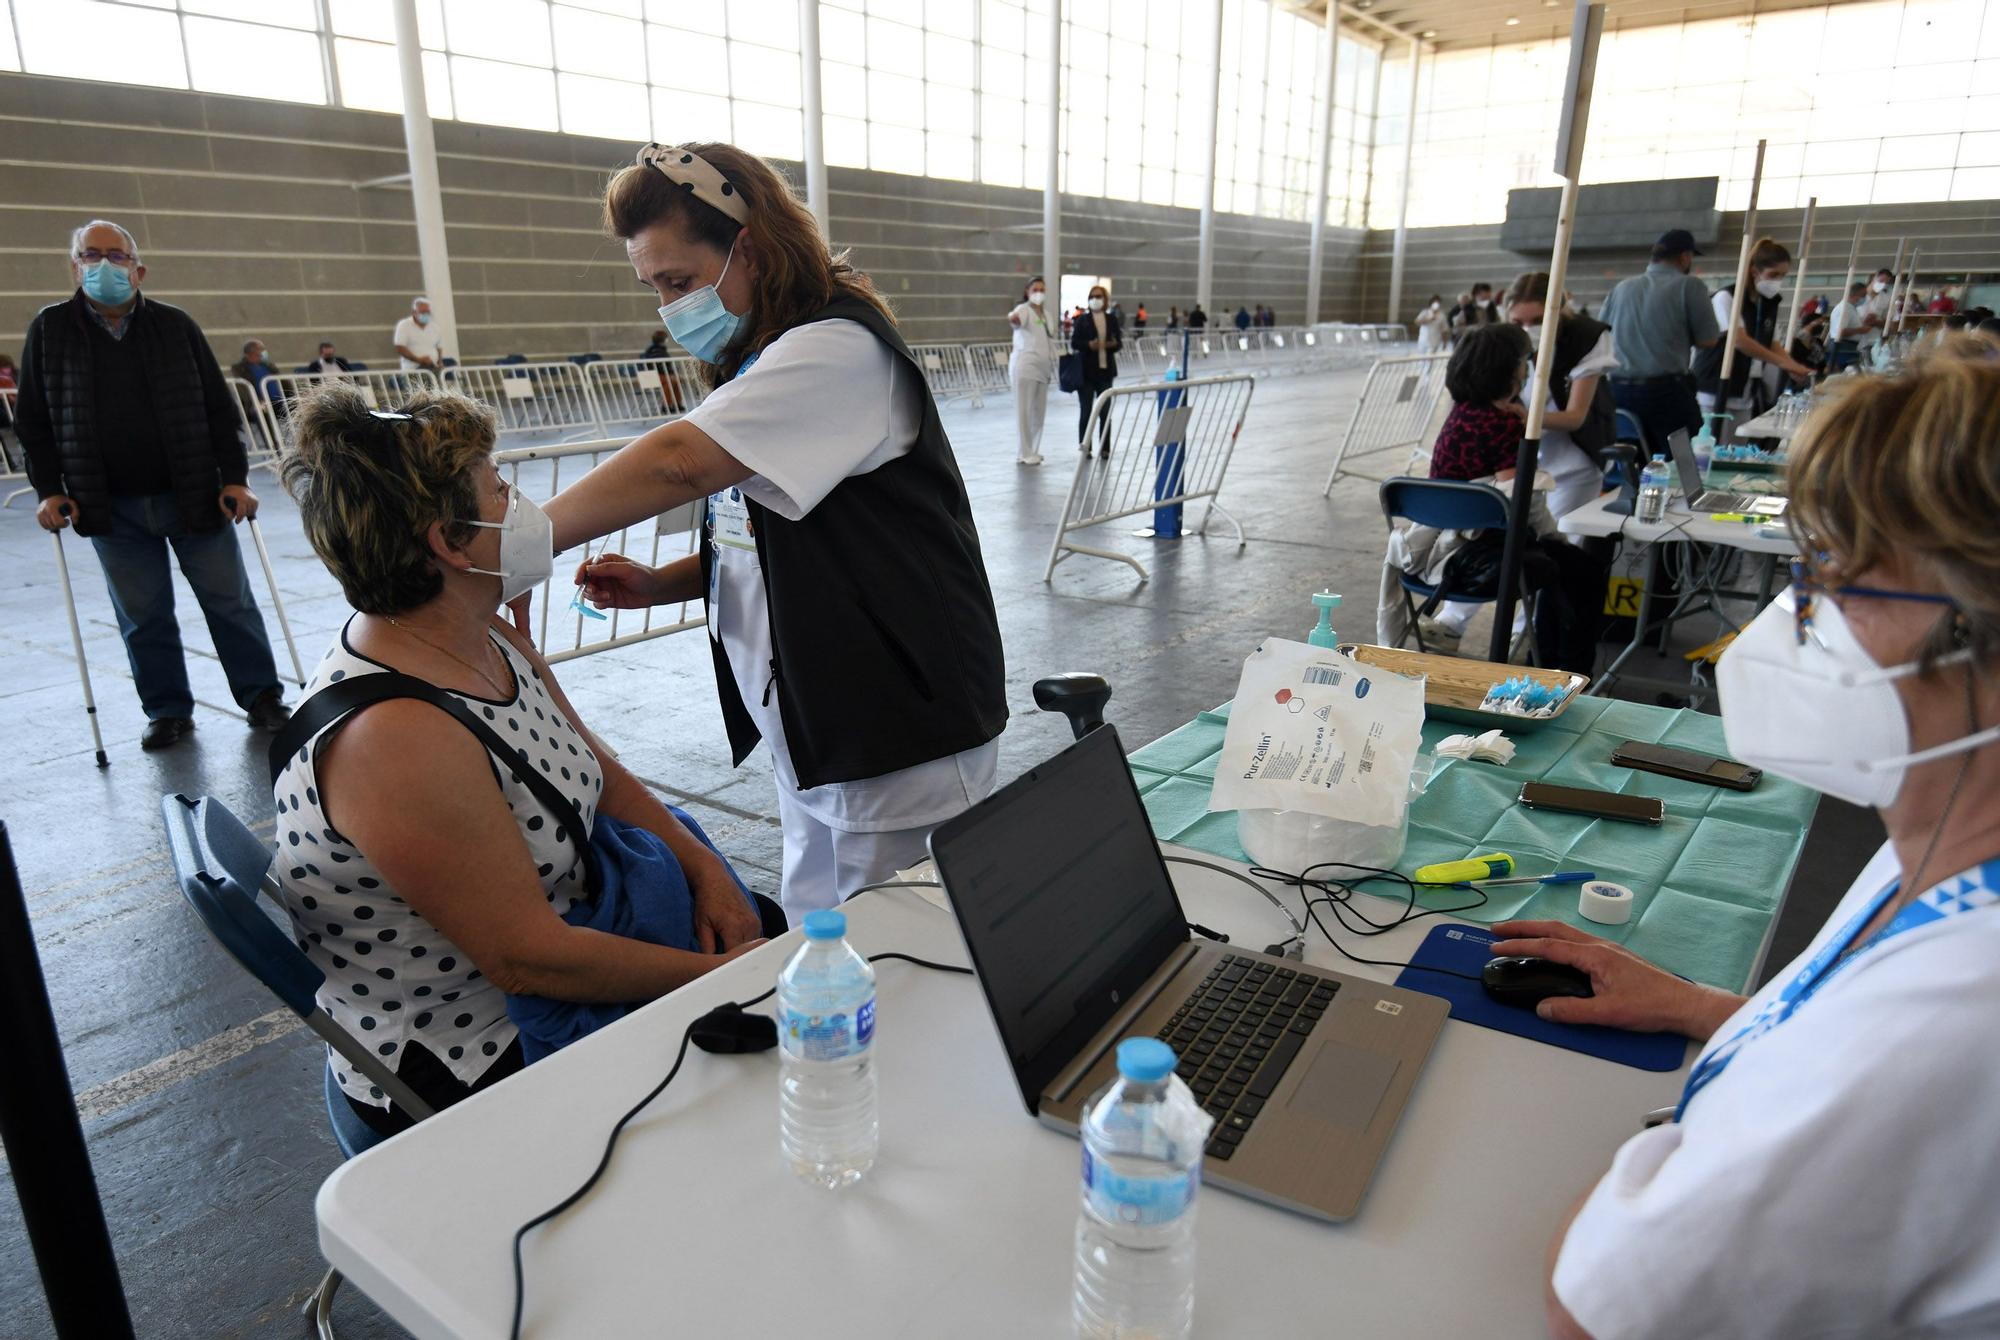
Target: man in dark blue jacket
x: 131, y: 438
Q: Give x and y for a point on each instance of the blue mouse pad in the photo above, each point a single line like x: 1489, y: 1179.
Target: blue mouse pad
x: 1467, y: 948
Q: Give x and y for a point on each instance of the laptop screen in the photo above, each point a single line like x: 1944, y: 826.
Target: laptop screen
x: 1684, y: 462
x: 1064, y: 902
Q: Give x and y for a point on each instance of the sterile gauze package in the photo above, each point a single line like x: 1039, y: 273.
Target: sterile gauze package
x: 1318, y: 757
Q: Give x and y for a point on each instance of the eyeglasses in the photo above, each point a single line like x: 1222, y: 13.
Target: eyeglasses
x: 91, y: 256
x: 1805, y: 589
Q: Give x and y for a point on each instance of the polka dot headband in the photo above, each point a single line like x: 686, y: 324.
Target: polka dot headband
x: 692, y: 172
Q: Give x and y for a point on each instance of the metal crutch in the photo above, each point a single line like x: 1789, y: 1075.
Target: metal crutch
x: 277, y: 601
x: 76, y: 640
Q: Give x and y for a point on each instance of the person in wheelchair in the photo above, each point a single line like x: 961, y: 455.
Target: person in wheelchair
x: 440, y: 895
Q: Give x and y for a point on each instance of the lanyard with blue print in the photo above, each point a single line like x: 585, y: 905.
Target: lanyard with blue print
x: 1966, y: 892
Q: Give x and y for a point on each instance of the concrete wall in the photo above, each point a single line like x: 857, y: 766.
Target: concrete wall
x: 248, y: 214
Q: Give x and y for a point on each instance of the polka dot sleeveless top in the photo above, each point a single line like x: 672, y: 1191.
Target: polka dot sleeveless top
x: 391, y: 978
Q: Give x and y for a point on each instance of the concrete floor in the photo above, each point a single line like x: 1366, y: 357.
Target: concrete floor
x: 201, y: 1099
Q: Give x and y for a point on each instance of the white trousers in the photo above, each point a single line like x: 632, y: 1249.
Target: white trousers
x: 824, y: 866
x: 1031, y: 412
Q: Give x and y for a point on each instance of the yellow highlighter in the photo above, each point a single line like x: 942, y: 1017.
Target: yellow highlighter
x: 1456, y: 872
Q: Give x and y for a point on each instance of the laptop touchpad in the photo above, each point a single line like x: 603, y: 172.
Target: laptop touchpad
x: 1344, y: 1086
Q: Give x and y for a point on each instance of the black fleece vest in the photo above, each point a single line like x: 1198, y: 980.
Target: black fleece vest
x: 168, y: 343
x: 886, y: 648
x: 1760, y: 318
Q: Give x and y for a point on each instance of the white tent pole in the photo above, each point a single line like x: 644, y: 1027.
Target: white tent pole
x: 1742, y: 280
x: 1316, y: 256
x: 425, y: 193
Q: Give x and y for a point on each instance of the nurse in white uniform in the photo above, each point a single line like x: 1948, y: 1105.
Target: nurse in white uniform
x: 1830, y: 1168
x: 1032, y: 366
x: 849, y: 614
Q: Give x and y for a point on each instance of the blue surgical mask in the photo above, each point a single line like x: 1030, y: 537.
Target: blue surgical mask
x: 423, y: 318
x: 699, y: 321
x: 107, y: 283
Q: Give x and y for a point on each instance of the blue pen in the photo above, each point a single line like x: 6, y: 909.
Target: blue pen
x: 1562, y: 877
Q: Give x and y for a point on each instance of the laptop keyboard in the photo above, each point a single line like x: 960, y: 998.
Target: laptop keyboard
x: 1237, y: 1033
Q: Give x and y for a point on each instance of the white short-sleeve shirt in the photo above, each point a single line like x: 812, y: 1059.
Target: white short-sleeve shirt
x: 1838, y: 1179
x: 418, y: 339
x: 1034, y: 352
x: 824, y: 402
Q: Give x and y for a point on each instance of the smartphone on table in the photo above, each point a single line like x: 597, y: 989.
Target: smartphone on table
x: 1687, y: 765
x: 1596, y: 804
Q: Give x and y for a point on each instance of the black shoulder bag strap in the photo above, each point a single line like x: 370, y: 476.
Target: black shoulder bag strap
x: 336, y: 701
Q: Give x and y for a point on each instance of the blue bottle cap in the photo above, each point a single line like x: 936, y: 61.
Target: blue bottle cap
x: 825, y: 924
x: 1146, y: 1060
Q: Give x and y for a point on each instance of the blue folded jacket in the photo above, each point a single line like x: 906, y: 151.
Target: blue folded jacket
x: 645, y: 896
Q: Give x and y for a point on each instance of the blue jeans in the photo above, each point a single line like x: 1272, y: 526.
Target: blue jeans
x: 1661, y: 407
x: 134, y: 556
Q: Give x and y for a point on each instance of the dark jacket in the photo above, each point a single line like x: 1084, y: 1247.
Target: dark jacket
x: 1576, y: 336
x: 318, y: 365
x: 1081, y: 332
x: 57, y: 411
x: 1760, y: 318
x: 886, y: 648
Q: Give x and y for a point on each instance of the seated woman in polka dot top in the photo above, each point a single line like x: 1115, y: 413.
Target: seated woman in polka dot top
x: 421, y: 877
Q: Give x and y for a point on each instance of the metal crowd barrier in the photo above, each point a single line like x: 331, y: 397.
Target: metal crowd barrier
x: 948, y: 372
x: 987, y: 365
x: 562, y: 631
x: 643, y: 390
x: 282, y: 391
x: 1394, y: 410
x: 13, y: 456
x: 253, y: 417
x: 529, y: 397
x: 1166, y: 444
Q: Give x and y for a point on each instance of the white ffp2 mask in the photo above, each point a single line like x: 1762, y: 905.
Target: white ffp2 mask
x: 527, y: 547
x: 1822, y: 712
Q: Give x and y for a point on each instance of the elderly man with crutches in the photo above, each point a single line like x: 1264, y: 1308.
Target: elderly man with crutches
x: 131, y: 438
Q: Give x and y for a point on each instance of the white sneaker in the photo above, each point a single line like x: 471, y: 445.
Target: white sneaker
x: 1438, y: 637
x: 1029, y: 460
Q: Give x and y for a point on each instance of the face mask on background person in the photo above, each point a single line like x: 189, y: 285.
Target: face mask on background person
x: 1881, y: 286
x: 1770, y: 288
x: 699, y: 321
x: 108, y: 283
x: 1037, y: 297
x: 1821, y: 712
x: 527, y: 547
x: 1097, y: 304
x: 423, y: 318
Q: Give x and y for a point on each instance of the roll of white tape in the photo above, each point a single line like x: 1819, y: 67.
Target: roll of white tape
x: 1606, y: 903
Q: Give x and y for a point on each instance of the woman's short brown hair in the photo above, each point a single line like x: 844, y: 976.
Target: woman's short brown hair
x: 369, y: 488
x: 1907, y: 467
x: 796, y: 274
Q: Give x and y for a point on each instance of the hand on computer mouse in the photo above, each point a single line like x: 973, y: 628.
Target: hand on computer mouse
x: 1628, y: 991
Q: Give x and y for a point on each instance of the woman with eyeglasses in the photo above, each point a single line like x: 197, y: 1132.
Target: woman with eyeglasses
x: 849, y: 614
x: 1830, y: 1167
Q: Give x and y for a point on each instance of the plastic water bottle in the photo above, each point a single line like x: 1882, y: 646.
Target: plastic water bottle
x: 1654, y: 483
x: 1142, y: 1142
x: 826, y: 1031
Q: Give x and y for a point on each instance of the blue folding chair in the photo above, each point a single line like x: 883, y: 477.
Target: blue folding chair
x: 1449, y: 504
x: 221, y: 866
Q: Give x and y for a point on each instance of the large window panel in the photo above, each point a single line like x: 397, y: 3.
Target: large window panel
x: 688, y: 61
x: 588, y: 42
x: 145, y: 48
x: 773, y: 131
x: 254, y: 61
x: 771, y: 23
x: 280, y: 13
x: 893, y: 148
x: 505, y: 30
x: 371, y: 78
x: 612, y: 109
x: 683, y: 118
x: 763, y: 73
x: 846, y: 141
x: 501, y: 94
x: 843, y: 36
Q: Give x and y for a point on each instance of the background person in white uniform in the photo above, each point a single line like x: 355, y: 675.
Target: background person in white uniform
x: 1831, y: 1172
x: 848, y: 608
x: 1032, y: 366
x: 418, y: 342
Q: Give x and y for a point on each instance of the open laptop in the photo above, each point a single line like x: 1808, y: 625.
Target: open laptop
x: 1701, y: 498
x: 1079, y: 940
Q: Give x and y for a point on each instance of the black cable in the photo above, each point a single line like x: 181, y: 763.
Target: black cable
x: 611, y: 1141
x: 1336, y: 896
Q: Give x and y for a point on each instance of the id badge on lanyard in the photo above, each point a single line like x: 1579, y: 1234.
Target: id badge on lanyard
x: 728, y: 528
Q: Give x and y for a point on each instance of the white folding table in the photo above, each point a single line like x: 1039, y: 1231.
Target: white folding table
x: 964, y: 1227
x: 1770, y: 540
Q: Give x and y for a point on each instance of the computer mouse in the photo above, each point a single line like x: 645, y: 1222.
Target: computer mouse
x: 730, y: 1029
x: 1527, y: 982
